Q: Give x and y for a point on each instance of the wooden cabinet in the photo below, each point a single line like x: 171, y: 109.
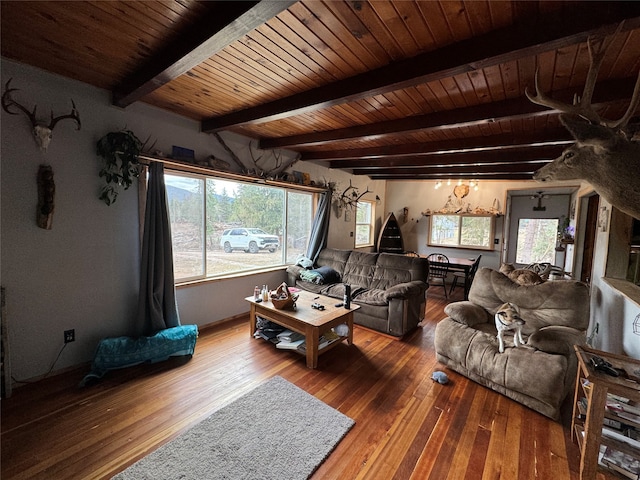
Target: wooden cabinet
x: 597, y: 404
x: 390, y: 239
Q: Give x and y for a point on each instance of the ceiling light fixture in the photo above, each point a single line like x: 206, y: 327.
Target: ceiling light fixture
x: 472, y: 184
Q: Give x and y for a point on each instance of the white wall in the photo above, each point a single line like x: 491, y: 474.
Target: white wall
x: 84, y: 273
x: 614, y: 311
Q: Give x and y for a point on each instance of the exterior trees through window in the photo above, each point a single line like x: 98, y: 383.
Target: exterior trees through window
x: 271, y: 225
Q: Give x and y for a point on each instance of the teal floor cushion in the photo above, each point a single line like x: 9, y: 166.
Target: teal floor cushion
x: 121, y: 352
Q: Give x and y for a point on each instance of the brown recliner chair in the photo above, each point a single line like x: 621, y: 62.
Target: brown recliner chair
x: 539, y: 374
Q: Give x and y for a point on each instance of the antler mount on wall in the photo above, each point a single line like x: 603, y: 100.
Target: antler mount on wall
x: 42, y: 132
x: 346, y: 200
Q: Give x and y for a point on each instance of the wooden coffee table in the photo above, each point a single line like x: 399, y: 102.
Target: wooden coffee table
x: 310, y: 322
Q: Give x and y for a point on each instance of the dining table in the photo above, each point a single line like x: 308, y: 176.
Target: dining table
x: 459, y: 264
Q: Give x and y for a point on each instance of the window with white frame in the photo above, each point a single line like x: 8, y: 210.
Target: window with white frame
x: 462, y: 231
x: 221, y: 226
x: 365, y: 215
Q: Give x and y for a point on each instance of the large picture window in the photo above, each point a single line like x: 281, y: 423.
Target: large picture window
x: 221, y: 226
x: 462, y: 231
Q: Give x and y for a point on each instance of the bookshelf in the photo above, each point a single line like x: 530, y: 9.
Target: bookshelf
x: 598, y: 407
x: 390, y: 239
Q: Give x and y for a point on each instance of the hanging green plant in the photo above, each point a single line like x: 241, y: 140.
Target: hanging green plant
x: 119, y: 152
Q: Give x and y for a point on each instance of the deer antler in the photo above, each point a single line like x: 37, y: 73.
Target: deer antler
x: 352, y: 199
x: 363, y: 194
x: 41, y: 132
x: 293, y: 161
x: 635, y: 101
x: 253, y: 159
x: 8, y: 102
x: 73, y: 116
x: 278, y: 161
x: 597, y: 47
x: 144, y: 145
x: 344, y: 197
x: 233, y: 156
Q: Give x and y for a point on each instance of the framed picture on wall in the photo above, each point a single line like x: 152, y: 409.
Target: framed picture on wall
x: 603, y: 219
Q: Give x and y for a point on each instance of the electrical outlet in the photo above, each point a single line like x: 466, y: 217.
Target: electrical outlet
x: 69, y: 336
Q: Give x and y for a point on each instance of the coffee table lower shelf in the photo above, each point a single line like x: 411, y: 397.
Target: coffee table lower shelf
x: 311, y: 323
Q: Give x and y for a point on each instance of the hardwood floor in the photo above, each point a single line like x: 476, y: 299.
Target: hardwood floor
x: 407, y: 426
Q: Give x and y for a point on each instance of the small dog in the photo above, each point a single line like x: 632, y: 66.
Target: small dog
x: 507, y: 318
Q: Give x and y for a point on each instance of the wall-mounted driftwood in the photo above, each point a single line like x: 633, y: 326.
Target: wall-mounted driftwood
x: 46, y: 197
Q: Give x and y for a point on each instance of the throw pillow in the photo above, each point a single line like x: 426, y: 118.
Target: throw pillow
x: 467, y: 313
x: 304, y: 262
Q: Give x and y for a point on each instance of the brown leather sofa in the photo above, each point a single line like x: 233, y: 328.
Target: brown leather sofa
x: 539, y: 374
x: 389, y: 288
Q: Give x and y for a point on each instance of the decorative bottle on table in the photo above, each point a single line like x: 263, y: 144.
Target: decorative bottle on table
x: 347, y: 296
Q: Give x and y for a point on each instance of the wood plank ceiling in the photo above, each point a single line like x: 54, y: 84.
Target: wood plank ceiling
x: 389, y: 89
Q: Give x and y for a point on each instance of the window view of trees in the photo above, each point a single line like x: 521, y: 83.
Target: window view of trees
x: 203, y: 208
x: 470, y: 231
x: 536, y: 240
x: 445, y: 229
x: 476, y: 231
x: 364, y: 223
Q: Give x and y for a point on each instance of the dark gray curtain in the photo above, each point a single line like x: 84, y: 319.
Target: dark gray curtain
x: 320, y: 227
x: 157, y: 308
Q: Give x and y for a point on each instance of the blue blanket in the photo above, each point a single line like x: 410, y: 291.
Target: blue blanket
x: 121, y: 352
x: 321, y: 275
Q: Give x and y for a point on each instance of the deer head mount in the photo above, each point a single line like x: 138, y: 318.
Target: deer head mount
x: 41, y: 131
x: 605, y: 153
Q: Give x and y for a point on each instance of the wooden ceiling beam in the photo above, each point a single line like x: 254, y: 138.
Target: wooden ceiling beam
x: 478, y: 176
x: 524, y: 39
x: 506, y: 141
x: 544, y: 153
x: 225, y: 23
x: 513, y: 109
x: 469, y: 170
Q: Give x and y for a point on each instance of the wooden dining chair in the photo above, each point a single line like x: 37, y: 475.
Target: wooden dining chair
x: 461, y: 275
x: 438, y: 270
